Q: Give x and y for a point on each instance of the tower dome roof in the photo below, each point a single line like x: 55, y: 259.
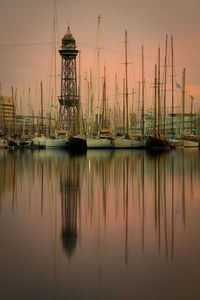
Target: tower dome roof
x: 68, y: 41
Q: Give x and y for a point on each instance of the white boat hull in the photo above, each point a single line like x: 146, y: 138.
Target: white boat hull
x: 47, y: 142
x: 123, y: 143
x: 3, y: 143
x: 96, y: 143
x: 39, y: 141
x: 57, y: 143
x: 138, y: 144
x: 176, y: 143
x: 190, y: 143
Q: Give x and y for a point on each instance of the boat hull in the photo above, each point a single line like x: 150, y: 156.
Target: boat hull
x: 47, y: 142
x: 157, y: 143
x: 190, y: 144
x: 39, y: 142
x: 78, y: 144
x: 3, y: 144
x: 138, y: 144
x: 123, y: 143
x: 57, y: 143
x: 97, y: 143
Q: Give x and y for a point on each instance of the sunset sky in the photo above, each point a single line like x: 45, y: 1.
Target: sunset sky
x: 26, y: 41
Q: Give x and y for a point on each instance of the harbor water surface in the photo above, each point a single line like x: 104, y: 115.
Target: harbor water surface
x: 111, y: 224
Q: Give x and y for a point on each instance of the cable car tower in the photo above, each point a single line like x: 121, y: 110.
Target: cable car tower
x: 69, y: 99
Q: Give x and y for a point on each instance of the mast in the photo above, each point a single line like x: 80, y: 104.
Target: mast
x: 29, y: 109
x: 158, y: 91
x: 42, y: 121
x: 155, y: 102
x: 33, y: 128
x: 165, y: 81
x: 91, y: 103
x: 55, y: 75
x: 172, y: 54
x: 87, y: 84
x: 192, y: 98
x: 15, y: 100
x: 132, y: 110
x: 74, y: 110
x: 102, y: 113
x: 29, y: 100
x: 126, y: 81
x: 139, y: 106
x: 4, y: 117
x: 142, y: 90
x: 79, y: 94
x: 198, y: 131
x: 123, y: 106
x: 116, y: 105
x: 87, y: 81
x: 104, y: 100
x: 49, y: 131
x: 183, y: 100
x: 2, y: 121
x: 98, y: 70
x: 12, y: 90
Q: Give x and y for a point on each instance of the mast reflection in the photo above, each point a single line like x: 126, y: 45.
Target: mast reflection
x: 124, y: 200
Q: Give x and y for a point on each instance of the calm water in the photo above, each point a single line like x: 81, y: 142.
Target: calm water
x: 103, y: 225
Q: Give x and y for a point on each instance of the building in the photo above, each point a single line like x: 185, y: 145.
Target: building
x: 191, y: 124
x: 7, y: 115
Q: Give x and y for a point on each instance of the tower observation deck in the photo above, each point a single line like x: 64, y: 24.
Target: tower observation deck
x: 69, y: 99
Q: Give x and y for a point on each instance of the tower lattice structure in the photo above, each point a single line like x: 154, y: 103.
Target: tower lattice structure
x: 69, y: 99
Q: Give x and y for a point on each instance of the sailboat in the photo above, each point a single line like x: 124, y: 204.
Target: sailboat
x: 157, y: 142
x: 60, y: 138
x: 51, y: 142
x: 124, y: 142
x: 139, y: 139
x: 101, y: 140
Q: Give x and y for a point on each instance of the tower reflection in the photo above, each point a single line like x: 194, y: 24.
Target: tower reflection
x: 70, y: 197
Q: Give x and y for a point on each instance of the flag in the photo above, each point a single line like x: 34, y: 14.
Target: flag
x: 191, y: 97
x: 178, y: 85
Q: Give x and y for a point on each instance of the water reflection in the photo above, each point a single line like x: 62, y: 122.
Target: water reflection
x: 70, y: 187
x: 104, y: 212
x: 108, y: 185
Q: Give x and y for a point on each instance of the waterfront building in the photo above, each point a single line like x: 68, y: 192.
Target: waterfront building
x: 191, y: 124
x: 7, y: 115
